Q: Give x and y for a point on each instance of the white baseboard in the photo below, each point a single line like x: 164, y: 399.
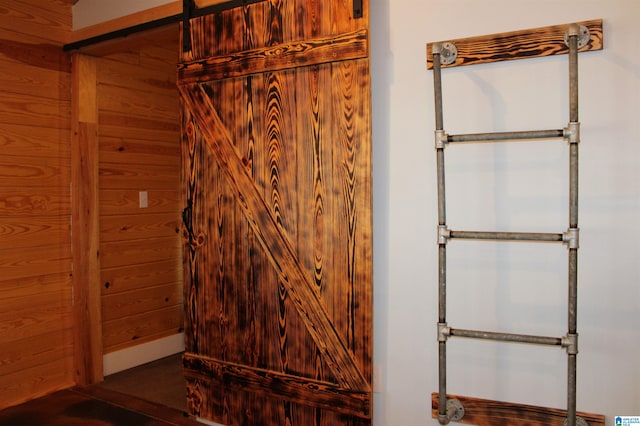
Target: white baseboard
x: 141, y: 354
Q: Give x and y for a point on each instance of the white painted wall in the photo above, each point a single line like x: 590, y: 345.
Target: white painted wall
x: 519, y: 187
x: 90, y: 12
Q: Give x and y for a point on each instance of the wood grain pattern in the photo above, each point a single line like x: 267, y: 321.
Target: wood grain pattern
x: 34, y: 202
x: 34, y: 141
x: 483, y: 412
x: 115, y: 70
x: 140, y: 328
x: 34, y: 50
x: 134, y: 277
x: 138, y: 226
x: 291, y: 387
x: 28, y: 16
x: 155, y: 49
x: 138, y: 176
x: 29, y: 317
x: 36, y: 316
x: 269, y: 23
x: 206, y: 3
x: 51, y: 346
x: 28, y: 110
x: 86, y: 226
x: 138, y: 151
x: 164, y: 35
x: 118, y: 126
x: 19, y: 264
x: 279, y: 57
x: 27, y: 79
x: 18, y: 232
x: 51, y: 283
x: 19, y: 171
x: 532, y: 43
x: 159, y: 106
x: 127, y: 201
x: 128, y: 253
x: 278, y: 248
x: 43, y: 379
x: 276, y: 168
x: 353, y: 169
x: 143, y: 300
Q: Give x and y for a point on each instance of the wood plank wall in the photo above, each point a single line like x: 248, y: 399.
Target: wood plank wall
x: 141, y: 275
x: 36, y: 321
x: 139, y: 151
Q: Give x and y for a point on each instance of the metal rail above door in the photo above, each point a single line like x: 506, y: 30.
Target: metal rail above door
x: 575, y: 37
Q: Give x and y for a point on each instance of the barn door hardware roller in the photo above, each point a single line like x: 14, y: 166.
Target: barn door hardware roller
x: 190, y: 10
x: 445, y: 54
x: 357, y: 9
x: 188, y: 6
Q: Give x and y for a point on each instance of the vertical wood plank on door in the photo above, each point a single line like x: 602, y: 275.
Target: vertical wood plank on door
x: 351, y: 223
x: 315, y: 202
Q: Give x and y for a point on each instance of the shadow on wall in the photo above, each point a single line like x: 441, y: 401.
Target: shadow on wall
x: 381, y: 80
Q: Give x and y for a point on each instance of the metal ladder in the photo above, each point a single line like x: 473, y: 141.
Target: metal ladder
x: 443, y: 54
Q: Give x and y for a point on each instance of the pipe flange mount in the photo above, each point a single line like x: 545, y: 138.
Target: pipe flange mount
x: 455, y: 410
x: 581, y: 31
x: 448, y: 52
x: 579, y: 422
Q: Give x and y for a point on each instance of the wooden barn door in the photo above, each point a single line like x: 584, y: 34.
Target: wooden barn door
x: 277, y: 220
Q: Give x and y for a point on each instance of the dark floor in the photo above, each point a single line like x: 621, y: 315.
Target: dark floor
x: 149, y: 395
x: 93, y: 406
x: 160, y: 381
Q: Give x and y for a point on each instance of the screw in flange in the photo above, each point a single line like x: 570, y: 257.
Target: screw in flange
x: 448, y: 54
x: 456, y: 409
x: 583, y: 35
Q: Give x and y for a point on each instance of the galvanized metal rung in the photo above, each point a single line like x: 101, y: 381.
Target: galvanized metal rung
x: 569, y: 342
x: 506, y: 337
x: 571, y: 237
x: 506, y: 236
x: 507, y: 136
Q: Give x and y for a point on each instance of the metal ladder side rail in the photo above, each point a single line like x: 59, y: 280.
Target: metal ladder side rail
x: 453, y: 410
